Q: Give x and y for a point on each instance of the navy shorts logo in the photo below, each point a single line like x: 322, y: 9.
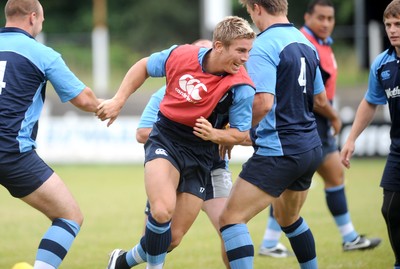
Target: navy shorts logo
x: 161, y: 152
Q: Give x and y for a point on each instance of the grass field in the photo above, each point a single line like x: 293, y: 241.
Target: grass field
x: 112, y: 199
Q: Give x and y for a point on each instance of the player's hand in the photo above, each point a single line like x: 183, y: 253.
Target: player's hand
x: 346, y: 153
x: 203, y: 129
x: 109, y: 109
x: 225, y: 150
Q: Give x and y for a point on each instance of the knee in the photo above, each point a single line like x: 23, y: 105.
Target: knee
x: 287, y: 219
x: 223, y: 220
x: 74, y: 215
x: 161, y: 213
x: 77, y: 217
x: 80, y: 220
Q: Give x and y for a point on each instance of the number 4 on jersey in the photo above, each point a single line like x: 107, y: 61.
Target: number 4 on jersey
x: 302, y: 76
x: 2, y: 72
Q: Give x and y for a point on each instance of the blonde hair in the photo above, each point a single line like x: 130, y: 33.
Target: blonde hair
x: 232, y: 28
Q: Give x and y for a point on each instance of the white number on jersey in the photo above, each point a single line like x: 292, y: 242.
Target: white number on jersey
x: 302, y: 77
x: 2, y: 72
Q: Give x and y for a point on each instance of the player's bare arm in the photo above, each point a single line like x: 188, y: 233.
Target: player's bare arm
x: 226, y: 137
x: 134, y: 78
x: 324, y: 108
x: 262, y: 104
x: 86, y: 100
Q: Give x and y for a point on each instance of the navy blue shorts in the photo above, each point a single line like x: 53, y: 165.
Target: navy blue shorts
x: 219, y: 186
x: 22, y: 173
x: 275, y: 174
x: 391, y: 174
x: 193, y: 161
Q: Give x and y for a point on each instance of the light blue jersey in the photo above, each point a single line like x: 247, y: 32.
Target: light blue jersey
x: 150, y: 112
x: 290, y: 127
x: 25, y: 67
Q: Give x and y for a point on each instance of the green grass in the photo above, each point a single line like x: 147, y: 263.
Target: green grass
x: 112, y: 199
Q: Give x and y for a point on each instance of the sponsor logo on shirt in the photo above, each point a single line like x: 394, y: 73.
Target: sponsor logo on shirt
x: 393, y: 93
x: 385, y: 75
x: 191, y: 88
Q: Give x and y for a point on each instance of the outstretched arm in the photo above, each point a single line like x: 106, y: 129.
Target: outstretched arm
x: 86, y: 100
x: 134, y: 78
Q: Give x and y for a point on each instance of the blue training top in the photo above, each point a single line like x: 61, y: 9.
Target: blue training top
x: 383, y: 87
x: 150, y: 112
x: 284, y: 63
x: 25, y: 67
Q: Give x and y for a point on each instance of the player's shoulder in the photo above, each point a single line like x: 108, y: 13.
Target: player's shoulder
x: 385, y: 56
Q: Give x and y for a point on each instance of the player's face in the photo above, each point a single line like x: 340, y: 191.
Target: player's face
x: 392, y: 27
x: 236, y: 55
x: 321, y: 21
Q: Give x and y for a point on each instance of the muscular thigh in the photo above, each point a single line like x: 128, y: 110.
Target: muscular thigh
x: 161, y: 181
x: 287, y: 207
x: 245, y: 201
x: 55, y: 200
x: 23, y: 173
x: 331, y: 170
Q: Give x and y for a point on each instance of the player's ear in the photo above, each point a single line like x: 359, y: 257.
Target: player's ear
x: 32, y: 18
x: 218, y: 46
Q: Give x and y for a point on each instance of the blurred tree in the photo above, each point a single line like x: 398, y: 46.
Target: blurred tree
x: 67, y: 16
x: 154, y: 24
x: 148, y: 25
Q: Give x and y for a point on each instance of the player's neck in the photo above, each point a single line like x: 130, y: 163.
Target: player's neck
x: 271, y: 20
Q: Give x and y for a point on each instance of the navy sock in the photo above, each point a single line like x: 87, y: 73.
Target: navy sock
x: 157, y: 240
x: 337, y: 204
x: 302, y: 242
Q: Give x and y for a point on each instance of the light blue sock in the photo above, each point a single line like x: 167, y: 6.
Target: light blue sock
x: 238, y: 245
x: 56, y: 242
x: 136, y: 255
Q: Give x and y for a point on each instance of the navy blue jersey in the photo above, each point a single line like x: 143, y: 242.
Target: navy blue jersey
x: 383, y: 87
x: 284, y: 63
x: 25, y: 67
